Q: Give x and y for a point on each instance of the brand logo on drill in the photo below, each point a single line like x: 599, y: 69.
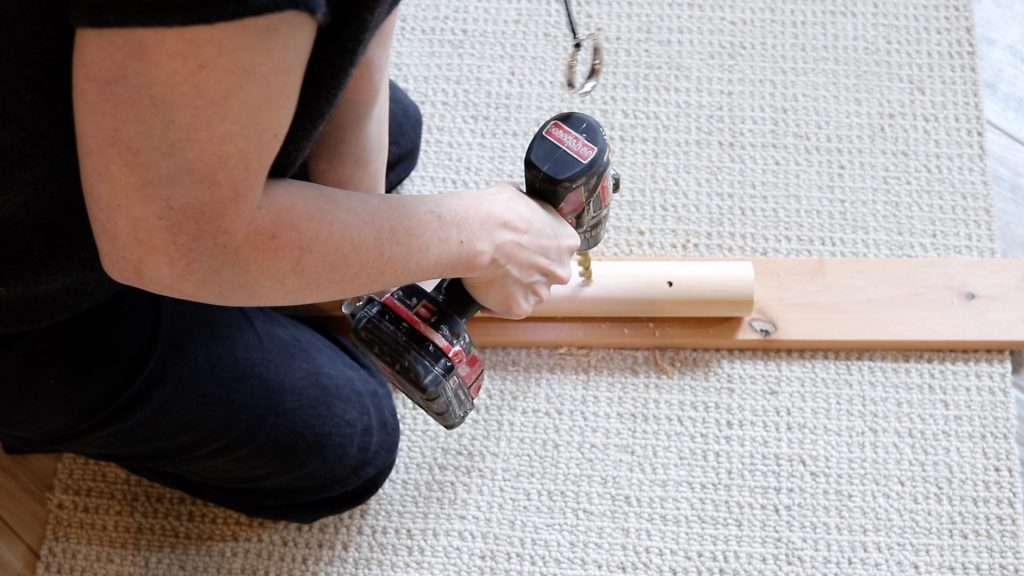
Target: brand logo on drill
x: 570, y: 141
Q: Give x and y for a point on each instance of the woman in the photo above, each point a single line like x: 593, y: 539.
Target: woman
x: 170, y: 169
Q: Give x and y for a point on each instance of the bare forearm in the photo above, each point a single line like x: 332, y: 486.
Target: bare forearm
x: 307, y: 243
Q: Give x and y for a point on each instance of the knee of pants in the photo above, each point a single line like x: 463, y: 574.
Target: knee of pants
x: 333, y: 473
x: 341, y: 486
x: 312, y: 452
x: 288, y: 501
x: 346, y: 452
x: 306, y: 512
x: 254, y: 407
x: 295, y: 470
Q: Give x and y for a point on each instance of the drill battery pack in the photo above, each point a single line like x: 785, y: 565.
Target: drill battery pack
x: 423, y: 350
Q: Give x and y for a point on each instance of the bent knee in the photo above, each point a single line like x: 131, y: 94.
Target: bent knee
x: 347, y: 471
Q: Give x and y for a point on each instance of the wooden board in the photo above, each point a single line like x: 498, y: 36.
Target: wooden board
x: 820, y: 303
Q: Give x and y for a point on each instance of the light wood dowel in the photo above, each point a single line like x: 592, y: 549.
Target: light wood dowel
x: 656, y: 288
x: 623, y: 288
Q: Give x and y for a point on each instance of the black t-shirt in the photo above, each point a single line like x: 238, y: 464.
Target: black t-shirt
x: 49, y: 265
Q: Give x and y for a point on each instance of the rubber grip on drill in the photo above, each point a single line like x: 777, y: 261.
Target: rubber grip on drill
x: 456, y: 298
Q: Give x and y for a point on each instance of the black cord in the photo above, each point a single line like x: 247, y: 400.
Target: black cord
x: 572, y: 24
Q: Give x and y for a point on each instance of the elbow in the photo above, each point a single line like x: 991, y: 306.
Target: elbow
x: 121, y: 268
x: 145, y: 265
x: 172, y: 261
x: 174, y: 237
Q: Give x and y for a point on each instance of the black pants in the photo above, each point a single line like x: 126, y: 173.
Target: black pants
x: 243, y: 407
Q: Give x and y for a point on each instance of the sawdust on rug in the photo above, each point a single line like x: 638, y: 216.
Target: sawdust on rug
x: 741, y: 128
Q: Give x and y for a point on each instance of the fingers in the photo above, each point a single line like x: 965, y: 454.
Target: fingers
x: 559, y: 272
x: 532, y: 249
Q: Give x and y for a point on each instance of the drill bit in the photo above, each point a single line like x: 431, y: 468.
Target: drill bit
x: 584, y: 263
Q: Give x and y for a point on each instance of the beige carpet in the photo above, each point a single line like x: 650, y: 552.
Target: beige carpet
x: 741, y: 127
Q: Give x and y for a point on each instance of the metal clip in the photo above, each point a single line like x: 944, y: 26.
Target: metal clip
x: 596, y: 62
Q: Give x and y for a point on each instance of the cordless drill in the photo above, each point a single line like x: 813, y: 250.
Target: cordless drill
x: 419, y: 338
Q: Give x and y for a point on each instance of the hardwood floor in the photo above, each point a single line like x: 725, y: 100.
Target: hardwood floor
x: 24, y: 483
x: 25, y: 480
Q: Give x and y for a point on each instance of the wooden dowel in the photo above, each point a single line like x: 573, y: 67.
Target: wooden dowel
x: 656, y: 288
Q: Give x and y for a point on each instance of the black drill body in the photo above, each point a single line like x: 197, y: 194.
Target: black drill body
x: 419, y: 338
x: 568, y: 165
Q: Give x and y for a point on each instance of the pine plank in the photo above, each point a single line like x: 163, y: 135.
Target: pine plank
x: 820, y: 303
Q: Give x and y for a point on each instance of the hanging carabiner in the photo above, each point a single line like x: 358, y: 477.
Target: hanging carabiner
x: 596, y: 62
x: 596, y: 58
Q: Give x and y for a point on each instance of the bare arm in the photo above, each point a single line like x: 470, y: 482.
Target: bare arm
x: 177, y: 129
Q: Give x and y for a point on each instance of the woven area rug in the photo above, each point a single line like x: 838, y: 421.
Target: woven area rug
x: 741, y: 127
